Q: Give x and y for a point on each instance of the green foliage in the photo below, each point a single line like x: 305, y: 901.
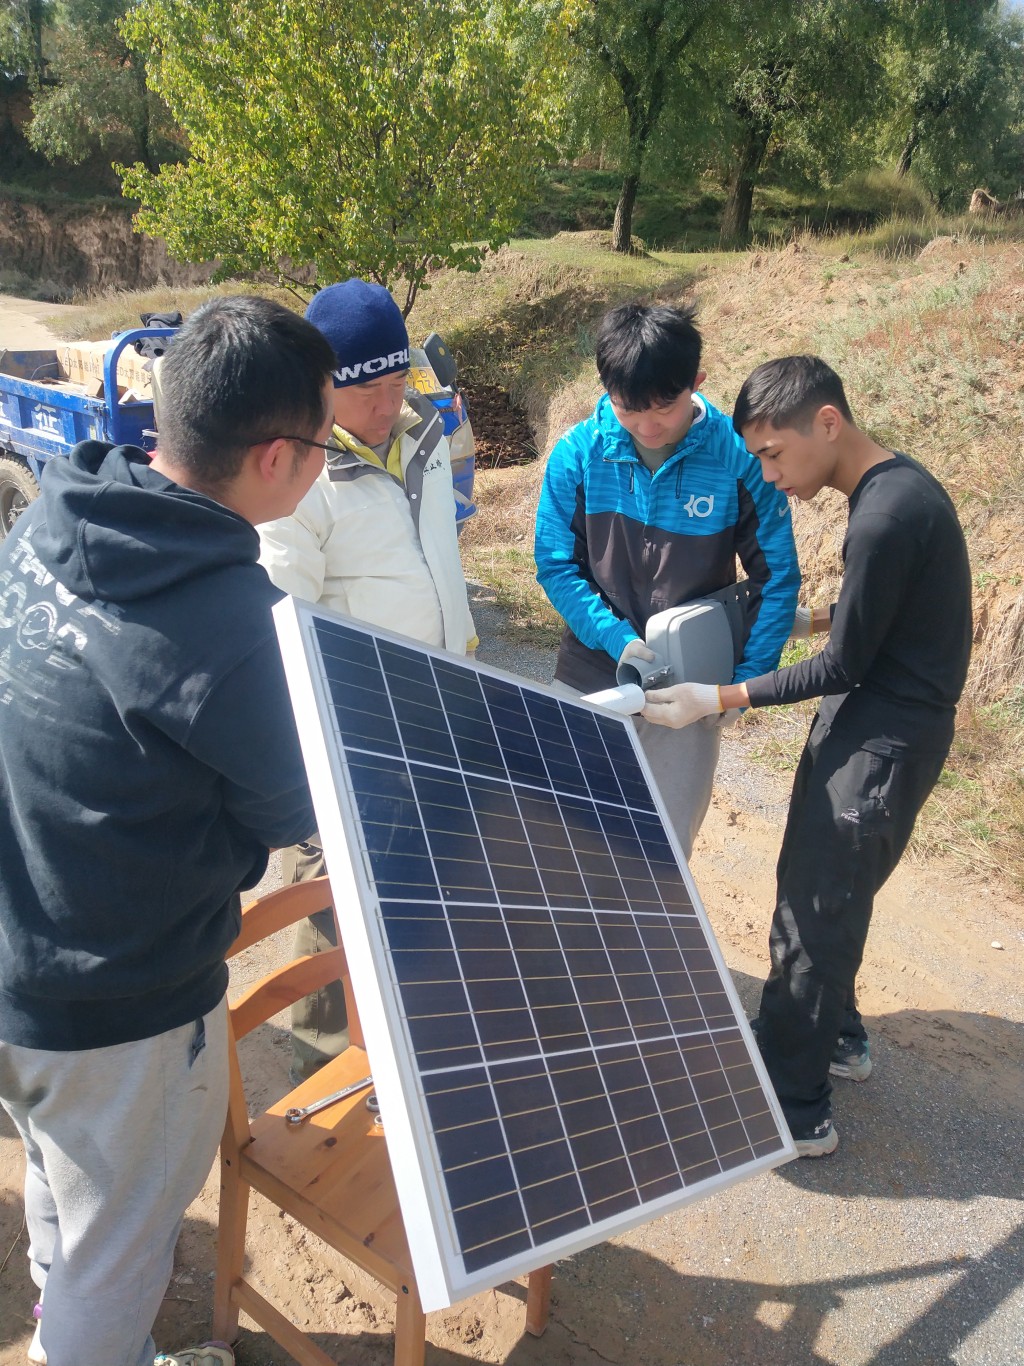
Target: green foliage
x: 382, y: 140
x: 22, y: 23
x: 801, y: 95
x: 955, y: 94
x: 96, y: 96
x: 795, y: 80
x: 638, y: 49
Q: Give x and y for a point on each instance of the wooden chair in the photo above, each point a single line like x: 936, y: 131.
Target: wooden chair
x: 331, y: 1173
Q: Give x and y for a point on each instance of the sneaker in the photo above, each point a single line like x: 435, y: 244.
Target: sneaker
x: 206, y: 1354
x: 819, y: 1142
x: 36, y: 1355
x: 851, y: 1059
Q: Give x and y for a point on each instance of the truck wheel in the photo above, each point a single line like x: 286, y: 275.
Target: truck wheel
x: 17, y: 489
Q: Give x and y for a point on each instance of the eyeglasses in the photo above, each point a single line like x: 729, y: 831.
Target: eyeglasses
x: 332, y: 449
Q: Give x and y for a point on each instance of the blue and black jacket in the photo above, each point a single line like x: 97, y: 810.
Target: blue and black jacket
x: 616, y: 544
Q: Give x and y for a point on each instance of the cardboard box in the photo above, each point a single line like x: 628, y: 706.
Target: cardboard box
x: 82, y: 363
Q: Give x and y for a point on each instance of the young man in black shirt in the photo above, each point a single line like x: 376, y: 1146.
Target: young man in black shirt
x: 890, y: 675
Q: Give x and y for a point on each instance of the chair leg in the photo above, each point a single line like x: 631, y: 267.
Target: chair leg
x: 538, y: 1300
x: 410, y: 1328
x: 234, y: 1213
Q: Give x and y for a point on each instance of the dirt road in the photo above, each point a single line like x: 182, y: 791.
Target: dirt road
x: 904, y: 1249
x: 21, y: 323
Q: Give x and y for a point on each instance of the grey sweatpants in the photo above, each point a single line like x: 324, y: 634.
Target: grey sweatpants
x: 119, y: 1142
x: 683, y: 763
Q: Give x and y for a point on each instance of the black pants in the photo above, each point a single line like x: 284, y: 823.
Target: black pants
x: 319, y: 1022
x: 850, y: 818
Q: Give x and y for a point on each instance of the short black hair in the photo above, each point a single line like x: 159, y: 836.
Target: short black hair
x: 648, y: 353
x: 788, y: 392
x: 240, y: 370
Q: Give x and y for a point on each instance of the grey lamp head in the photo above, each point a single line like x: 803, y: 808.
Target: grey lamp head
x: 692, y: 643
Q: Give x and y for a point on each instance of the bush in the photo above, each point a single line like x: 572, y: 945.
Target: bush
x: 880, y: 193
x: 899, y: 237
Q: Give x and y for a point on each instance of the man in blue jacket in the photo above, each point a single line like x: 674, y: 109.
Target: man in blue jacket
x: 647, y: 505
x: 148, y: 761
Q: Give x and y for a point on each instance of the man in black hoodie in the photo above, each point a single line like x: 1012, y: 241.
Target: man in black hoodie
x: 148, y: 761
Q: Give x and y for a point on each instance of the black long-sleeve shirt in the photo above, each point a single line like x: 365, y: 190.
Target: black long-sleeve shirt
x: 896, y: 660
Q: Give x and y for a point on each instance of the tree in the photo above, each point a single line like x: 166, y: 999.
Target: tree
x: 97, y: 97
x: 798, y: 78
x: 21, y: 39
x: 379, y: 140
x: 954, y: 75
x: 639, y: 45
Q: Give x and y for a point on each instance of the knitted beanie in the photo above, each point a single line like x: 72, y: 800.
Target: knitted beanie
x: 365, y: 327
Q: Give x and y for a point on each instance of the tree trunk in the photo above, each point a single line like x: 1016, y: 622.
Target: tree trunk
x: 39, y: 62
x: 622, y: 229
x: 736, y: 216
x: 907, y: 155
x: 143, y: 125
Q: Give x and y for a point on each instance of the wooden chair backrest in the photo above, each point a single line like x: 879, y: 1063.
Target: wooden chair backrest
x: 284, y: 985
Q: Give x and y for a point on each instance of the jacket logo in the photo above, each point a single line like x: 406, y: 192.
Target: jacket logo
x: 37, y: 627
x: 346, y: 373
x: 434, y: 465
x: 700, y: 507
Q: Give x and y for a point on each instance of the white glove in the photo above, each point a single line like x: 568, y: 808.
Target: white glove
x: 682, y: 704
x: 801, y: 624
x: 636, y: 649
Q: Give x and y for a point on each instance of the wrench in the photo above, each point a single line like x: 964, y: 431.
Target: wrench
x: 294, y: 1116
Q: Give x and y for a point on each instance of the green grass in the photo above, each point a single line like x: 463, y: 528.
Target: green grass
x: 573, y: 199
x: 884, y: 212
x: 38, y: 188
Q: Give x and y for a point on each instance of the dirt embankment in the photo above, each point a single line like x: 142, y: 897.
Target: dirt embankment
x: 77, y: 247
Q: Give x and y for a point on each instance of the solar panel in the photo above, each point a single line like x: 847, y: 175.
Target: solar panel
x: 556, y: 1044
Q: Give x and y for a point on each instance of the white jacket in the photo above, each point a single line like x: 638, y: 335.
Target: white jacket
x: 386, y: 552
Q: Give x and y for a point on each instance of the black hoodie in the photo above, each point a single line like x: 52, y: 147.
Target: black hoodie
x: 148, y: 752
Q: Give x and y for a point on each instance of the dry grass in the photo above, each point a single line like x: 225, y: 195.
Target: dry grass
x: 931, y: 346
x: 497, y: 549
x: 116, y: 310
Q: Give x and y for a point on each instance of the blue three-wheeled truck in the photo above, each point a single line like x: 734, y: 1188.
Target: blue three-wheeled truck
x: 45, y: 411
